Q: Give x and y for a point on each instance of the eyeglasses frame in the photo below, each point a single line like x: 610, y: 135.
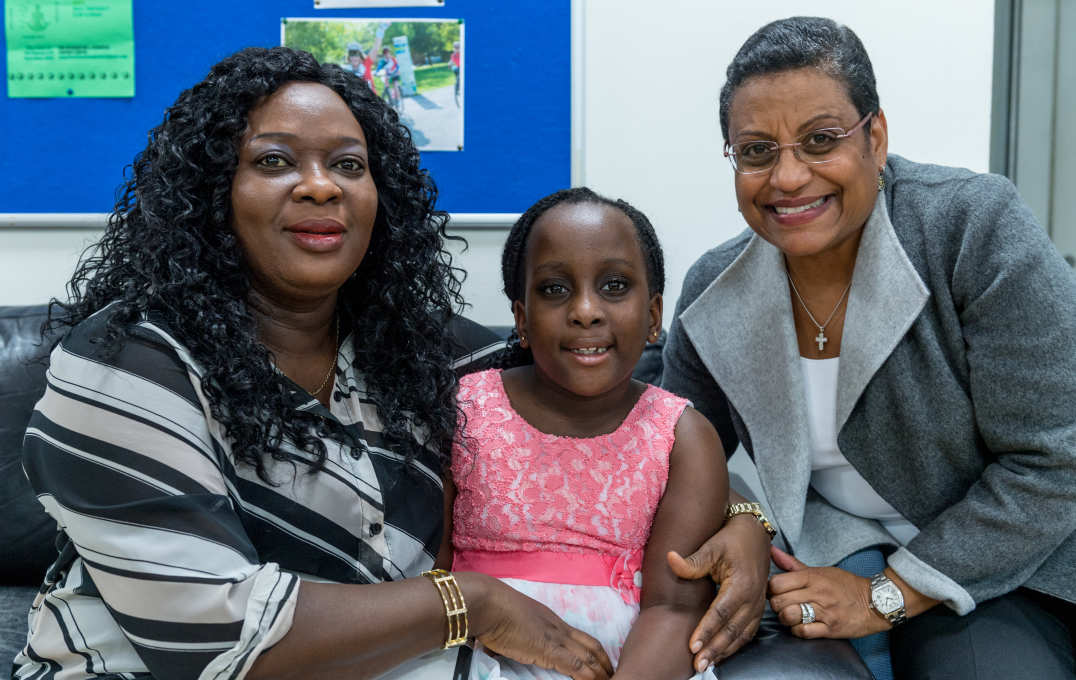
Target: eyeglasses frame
x: 795, y: 145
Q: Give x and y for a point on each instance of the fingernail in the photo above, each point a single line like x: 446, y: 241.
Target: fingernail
x: 696, y: 646
x: 702, y: 664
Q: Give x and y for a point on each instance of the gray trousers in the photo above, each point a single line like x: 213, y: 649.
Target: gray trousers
x: 1020, y: 635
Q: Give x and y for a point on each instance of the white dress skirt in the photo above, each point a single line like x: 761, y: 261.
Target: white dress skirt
x: 599, y: 611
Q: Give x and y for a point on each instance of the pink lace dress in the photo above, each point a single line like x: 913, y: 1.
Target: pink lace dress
x: 561, y: 519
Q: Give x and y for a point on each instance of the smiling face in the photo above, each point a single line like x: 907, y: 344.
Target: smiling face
x: 303, y: 198
x: 806, y: 209
x: 586, y: 313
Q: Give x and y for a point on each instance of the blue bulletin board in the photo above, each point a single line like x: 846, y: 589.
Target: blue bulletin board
x: 69, y: 155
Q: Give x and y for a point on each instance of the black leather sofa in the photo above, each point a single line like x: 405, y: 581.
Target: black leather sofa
x: 27, y: 534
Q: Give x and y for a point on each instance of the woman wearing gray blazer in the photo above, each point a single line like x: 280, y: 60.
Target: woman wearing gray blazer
x: 894, y: 344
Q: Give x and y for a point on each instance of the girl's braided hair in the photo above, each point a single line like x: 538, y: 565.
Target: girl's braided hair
x: 514, y: 256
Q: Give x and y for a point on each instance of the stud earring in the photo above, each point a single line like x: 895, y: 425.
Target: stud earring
x: 523, y: 341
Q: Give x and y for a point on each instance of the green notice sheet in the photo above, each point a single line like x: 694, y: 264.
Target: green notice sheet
x: 69, y: 48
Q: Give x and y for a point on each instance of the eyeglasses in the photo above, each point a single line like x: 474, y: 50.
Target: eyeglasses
x: 817, y: 146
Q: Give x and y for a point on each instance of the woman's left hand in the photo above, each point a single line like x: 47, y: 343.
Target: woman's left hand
x: 841, y: 600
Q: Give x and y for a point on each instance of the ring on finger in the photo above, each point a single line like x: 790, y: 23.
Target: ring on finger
x: 806, y: 613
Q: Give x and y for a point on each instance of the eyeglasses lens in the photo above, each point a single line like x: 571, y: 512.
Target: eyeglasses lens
x: 819, y: 146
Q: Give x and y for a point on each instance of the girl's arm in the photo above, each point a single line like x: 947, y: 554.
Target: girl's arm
x: 444, y: 555
x: 737, y: 558
x: 690, y: 511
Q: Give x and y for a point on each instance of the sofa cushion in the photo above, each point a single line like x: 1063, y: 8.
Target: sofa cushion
x: 15, y: 604
x: 27, y: 534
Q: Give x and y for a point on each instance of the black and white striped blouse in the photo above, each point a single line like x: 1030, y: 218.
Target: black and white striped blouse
x: 177, y: 563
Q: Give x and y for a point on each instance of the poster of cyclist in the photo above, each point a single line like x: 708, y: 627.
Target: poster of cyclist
x: 415, y: 65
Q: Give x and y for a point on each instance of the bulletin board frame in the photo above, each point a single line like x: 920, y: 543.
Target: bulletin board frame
x: 69, y: 156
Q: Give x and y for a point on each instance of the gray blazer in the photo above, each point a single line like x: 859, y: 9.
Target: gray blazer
x: 956, y: 396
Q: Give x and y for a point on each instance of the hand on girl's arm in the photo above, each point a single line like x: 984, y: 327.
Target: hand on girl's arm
x: 514, y: 635
x: 737, y: 558
x: 520, y: 628
x: 841, y: 599
x: 691, y: 510
x: 385, y: 624
x: 362, y: 631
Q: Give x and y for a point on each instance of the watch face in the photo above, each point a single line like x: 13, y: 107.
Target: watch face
x: 887, y: 598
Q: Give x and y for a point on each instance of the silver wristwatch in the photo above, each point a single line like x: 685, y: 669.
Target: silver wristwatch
x: 887, y: 600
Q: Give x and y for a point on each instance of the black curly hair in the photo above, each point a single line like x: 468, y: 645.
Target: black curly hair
x: 515, y: 253
x: 169, y: 250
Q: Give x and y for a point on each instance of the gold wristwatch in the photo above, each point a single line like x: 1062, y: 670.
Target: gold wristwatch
x: 751, y: 509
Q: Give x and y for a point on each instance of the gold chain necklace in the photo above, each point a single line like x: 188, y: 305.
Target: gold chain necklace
x: 821, y: 338
x: 332, y: 365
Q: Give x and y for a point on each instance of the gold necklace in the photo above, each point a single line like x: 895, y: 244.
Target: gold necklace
x: 821, y: 338
x: 332, y: 365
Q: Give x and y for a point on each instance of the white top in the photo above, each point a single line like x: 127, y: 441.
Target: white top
x: 831, y: 474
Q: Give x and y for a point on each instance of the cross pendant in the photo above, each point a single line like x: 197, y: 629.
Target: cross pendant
x: 821, y: 339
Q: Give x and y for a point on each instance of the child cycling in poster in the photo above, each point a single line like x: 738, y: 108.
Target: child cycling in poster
x: 389, y: 69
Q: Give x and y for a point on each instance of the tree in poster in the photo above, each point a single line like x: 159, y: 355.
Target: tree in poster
x: 327, y: 41
x: 426, y: 38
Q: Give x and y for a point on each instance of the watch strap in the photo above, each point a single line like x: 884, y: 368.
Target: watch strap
x: 896, y: 617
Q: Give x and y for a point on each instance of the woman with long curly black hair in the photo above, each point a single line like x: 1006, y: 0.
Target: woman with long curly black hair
x: 247, y: 418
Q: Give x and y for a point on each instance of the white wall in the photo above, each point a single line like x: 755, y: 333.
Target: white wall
x: 482, y: 287
x: 36, y: 263
x: 652, y: 73
x: 649, y: 131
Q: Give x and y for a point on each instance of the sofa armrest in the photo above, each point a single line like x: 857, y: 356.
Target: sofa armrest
x: 27, y: 534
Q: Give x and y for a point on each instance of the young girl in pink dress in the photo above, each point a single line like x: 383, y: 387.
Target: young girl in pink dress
x: 571, y: 481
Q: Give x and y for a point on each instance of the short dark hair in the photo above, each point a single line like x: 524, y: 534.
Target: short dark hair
x: 515, y: 252
x: 803, y: 42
